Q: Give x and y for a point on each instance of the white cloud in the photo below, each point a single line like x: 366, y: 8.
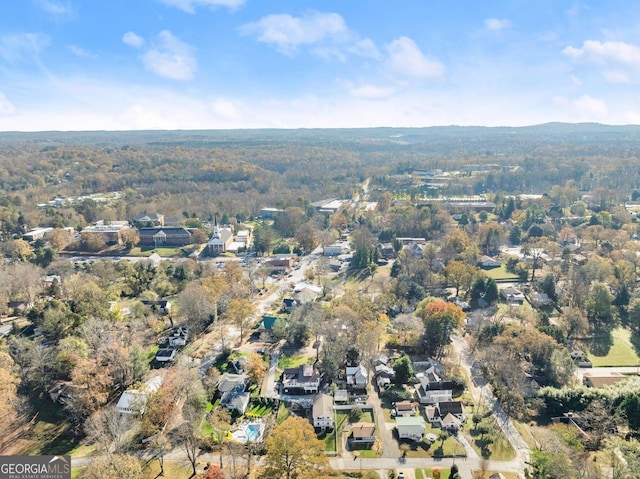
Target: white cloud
x: 139, y: 117
x: 80, y: 52
x: 6, y: 107
x: 371, y: 92
x: 57, y: 9
x: 189, y: 6
x: 364, y: 48
x: 576, y: 80
x: 288, y: 33
x: 616, y: 76
x: 496, y: 24
x: 590, y: 109
x: 406, y: 59
x: 133, y: 40
x: 225, y: 109
x: 603, y: 52
x: 170, y: 57
x: 16, y: 47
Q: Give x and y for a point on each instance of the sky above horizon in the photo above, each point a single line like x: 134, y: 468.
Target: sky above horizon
x: 219, y: 64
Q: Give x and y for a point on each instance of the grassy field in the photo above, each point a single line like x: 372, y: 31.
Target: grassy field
x: 450, y: 447
x: 500, y: 273
x: 293, y: 361
x: 428, y: 472
x: 620, y: 352
x: 493, y: 444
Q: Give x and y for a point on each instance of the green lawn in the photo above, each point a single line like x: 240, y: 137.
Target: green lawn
x: 427, y: 472
x: 620, y: 353
x: 499, y: 273
x: 492, y: 445
x: 450, y: 447
x: 259, y: 410
x: 283, y: 413
x: 293, y: 361
x: 329, y: 439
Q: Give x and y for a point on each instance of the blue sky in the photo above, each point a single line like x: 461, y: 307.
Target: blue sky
x: 201, y: 64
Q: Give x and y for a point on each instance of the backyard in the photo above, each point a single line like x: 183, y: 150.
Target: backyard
x: 615, y: 349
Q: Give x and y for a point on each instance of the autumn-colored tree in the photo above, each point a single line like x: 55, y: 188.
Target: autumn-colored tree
x: 460, y: 275
x: 212, y: 472
x: 256, y: 368
x: 129, y: 237
x: 294, y: 452
x: 240, y: 313
x: 441, y: 319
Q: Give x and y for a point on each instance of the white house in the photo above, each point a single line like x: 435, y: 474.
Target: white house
x: 512, y: 295
x: 323, y: 411
x: 410, y: 427
x: 357, y: 377
x: 134, y: 401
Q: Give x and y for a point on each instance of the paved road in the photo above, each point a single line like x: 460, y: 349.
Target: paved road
x: 482, y: 392
x: 389, y: 443
x: 466, y: 466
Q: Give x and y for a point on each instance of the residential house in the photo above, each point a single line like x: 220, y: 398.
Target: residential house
x: 301, y: 380
x: 148, y: 220
x: 233, y: 396
x: 403, y: 408
x: 410, y: 427
x: 164, y: 236
x: 357, y: 377
x: 322, y: 412
x: 384, y: 375
x: 487, y: 262
x: 305, y: 293
x: 438, y: 415
x: 512, y: 295
x: 340, y: 396
x: 387, y: 251
x: 416, y: 250
x: 540, y: 299
x: 164, y: 355
x: 179, y: 336
x: 155, y: 259
x: 134, y: 401
x: 431, y: 389
x: 64, y: 392
x: 363, y: 433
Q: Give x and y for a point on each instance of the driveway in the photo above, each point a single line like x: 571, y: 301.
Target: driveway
x: 390, y: 446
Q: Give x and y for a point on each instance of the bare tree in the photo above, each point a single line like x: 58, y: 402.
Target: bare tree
x: 108, y: 428
x: 187, y: 434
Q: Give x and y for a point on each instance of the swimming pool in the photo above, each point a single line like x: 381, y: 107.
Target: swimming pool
x: 250, y: 432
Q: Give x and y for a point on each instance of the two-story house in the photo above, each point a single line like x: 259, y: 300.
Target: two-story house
x: 322, y: 412
x: 301, y: 380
